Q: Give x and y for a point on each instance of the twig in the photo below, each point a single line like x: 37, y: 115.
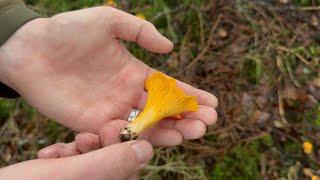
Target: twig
x: 309, y: 8
x: 157, y: 16
x: 304, y: 60
x: 287, y: 135
x: 170, y: 28
x: 219, y: 131
x: 291, y: 11
x: 208, y: 43
x: 258, y: 61
x: 280, y: 102
x: 254, y: 137
x: 313, y: 99
x: 294, y: 38
x: 185, y: 40
x: 202, y: 38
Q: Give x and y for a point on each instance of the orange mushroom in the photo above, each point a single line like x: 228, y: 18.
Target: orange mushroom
x: 164, y: 100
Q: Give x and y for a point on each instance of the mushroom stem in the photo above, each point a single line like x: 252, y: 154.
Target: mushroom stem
x: 144, y: 120
x: 127, y: 135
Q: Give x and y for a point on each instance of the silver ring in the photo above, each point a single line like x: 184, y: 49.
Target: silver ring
x: 133, y: 114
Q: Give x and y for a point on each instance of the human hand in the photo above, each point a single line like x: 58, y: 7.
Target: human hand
x: 73, y: 68
x: 119, y: 161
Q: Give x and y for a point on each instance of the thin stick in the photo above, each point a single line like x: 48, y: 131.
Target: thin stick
x: 309, y: 8
x: 208, y: 43
x: 304, y: 60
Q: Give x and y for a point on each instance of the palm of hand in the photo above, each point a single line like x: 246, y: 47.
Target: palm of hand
x: 82, y: 76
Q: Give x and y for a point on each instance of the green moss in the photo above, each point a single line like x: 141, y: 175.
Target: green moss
x: 211, y: 138
x: 317, y: 119
x: 242, y: 162
x: 302, y: 2
x: 55, y: 132
x: 251, y: 70
x: 292, y: 148
x: 6, y: 107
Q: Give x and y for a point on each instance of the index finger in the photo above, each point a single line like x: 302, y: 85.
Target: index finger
x: 204, y: 98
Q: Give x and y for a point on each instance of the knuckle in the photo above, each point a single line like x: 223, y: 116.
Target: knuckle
x: 146, y: 25
x: 58, y: 145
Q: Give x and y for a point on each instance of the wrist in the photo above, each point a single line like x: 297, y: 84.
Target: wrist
x: 18, y: 52
x: 13, y: 15
x: 5, y: 90
x: 4, y: 76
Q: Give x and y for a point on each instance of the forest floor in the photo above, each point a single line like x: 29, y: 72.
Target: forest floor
x: 261, y: 58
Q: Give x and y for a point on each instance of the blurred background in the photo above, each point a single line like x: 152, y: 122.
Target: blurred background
x: 261, y: 58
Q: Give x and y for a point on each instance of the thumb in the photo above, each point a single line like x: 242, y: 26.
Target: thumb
x: 118, y: 161
x: 128, y: 27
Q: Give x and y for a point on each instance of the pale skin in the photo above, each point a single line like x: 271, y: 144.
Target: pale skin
x: 73, y: 68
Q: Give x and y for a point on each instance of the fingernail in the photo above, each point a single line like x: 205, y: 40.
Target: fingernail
x: 143, y: 151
